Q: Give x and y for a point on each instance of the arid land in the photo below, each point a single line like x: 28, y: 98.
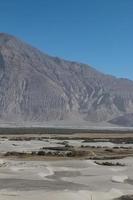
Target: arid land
x: 79, y: 165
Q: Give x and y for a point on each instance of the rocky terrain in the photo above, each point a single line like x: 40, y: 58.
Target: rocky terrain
x: 36, y: 87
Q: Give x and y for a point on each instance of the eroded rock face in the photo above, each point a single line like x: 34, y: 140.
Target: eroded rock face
x: 37, y: 87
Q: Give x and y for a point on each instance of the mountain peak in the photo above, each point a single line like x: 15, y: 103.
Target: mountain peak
x: 35, y: 87
x: 5, y: 37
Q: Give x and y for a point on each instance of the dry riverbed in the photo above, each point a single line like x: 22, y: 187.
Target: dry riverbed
x: 66, y: 167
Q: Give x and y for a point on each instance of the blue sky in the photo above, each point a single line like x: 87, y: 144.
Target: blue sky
x: 97, y: 32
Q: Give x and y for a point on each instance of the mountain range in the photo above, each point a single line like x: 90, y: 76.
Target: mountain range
x: 36, y: 87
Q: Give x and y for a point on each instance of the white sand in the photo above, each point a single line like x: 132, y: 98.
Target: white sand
x: 119, y: 179
x: 63, y: 180
x: 59, y: 195
x: 118, y: 169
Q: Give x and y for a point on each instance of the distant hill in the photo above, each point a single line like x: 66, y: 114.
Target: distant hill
x: 36, y: 87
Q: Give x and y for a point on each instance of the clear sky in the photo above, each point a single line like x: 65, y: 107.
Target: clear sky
x: 96, y: 32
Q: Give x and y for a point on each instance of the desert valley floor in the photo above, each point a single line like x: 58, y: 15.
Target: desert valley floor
x: 87, y: 166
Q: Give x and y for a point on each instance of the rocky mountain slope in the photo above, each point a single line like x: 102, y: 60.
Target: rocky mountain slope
x: 36, y: 87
